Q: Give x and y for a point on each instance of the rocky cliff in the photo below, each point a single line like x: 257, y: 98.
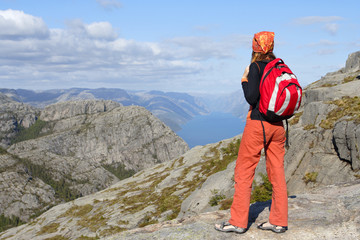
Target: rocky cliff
x: 174, y: 109
x: 181, y: 198
x: 324, y: 135
x: 13, y: 116
x: 159, y: 203
x: 77, y: 148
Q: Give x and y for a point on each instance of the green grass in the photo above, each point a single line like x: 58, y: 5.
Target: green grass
x: 61, y: 187
x: 57, y: 237
x: 2, y: 151
x: 328, y: 85
x: 34, y: 131
x: 350, y: 78
x: 216, y: 198
x: 309, y: 127
x: 226, y: 204
x: 131, y: 198
x: 50, y: 228
x: 9, y: 222
x: 262, y: 192
x: 346, y: 106
x: 119, y: 170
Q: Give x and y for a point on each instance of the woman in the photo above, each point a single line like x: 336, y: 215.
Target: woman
x: 252, y: 143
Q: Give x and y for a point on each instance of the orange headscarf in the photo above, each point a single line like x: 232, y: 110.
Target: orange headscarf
x: 263, y: 42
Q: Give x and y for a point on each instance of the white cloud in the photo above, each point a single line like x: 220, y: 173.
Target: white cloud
x: 203, y: 48
x: 92, y: 55
x: 322, y: 43
x: 316, y: 19
x: 332, y: 28
x: 206, y: 28
x: 109, y: 4
x: 16, y: 24
x: 327, y: 51
x: 328, y: 22
x: 96, y: 30
x: 101, y: 30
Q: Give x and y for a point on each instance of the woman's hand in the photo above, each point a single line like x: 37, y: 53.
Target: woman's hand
x: 245, y: 75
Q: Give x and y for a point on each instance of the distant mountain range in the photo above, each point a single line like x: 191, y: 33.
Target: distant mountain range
x: 173, y: 108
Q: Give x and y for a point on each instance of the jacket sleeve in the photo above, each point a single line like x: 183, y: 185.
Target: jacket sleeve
x: 251, y: 86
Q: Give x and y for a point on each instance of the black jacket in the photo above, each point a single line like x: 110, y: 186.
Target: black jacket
x: 251, y: 88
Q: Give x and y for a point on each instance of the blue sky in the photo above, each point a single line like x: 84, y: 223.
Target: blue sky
x: 184, y: 46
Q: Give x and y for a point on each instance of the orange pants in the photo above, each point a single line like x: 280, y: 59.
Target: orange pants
x: 252, y: 143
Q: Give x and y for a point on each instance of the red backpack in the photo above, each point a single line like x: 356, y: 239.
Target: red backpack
x: 280, y: 92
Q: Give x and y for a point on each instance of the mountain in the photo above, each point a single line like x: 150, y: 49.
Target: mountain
x: 76, y: 148
x: 181, y: 199
x: 174, y: 109
x: 184, y: 197
x: 233, y: 103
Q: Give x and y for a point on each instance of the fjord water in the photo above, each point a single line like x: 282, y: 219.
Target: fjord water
x: 211, y: 128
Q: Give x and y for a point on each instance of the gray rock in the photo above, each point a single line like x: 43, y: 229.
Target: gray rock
x: 347, y: 142
x: 81, y: 138
x: 21, y: 195
x: 328, y: 213
x: 353, y: 62
x: 71, y: 109
x: 13, y: 116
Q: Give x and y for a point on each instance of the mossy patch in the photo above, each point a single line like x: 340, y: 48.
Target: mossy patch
x: 82, y: 237
x: 295, y: 119
x: 309, y: 127
x: 310, y: 177
x: 216, y: 198
x: 111, y: 231
x: 57, y: 237
x: 328, y: 85
x: 50, y: 228
x: 350, y: 78
x: 347, y: 106
x: 147, y: 220
x: 93, y: 221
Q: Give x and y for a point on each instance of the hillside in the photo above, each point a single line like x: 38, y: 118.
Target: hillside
x: 184, y: 197
x: 73, y: 149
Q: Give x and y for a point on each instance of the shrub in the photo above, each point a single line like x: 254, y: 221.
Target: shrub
x: 310, y: 177
x: 62, y: 187
x: 349, y: 79
x: 147, y: 220
x: 226, y: 204
x: 34, y: 131
x: 262, y: 192
x: 2, y: 151
x: 119, y: 171
x: 9, y: 222
x: 216, y: 198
